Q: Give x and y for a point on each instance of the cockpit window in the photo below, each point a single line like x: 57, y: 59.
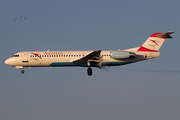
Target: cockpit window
x: 15, y: 55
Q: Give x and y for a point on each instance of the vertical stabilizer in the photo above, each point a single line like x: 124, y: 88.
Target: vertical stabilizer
x: 154, y: 42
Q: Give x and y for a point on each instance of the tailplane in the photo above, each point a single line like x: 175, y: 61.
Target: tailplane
x: 154, y: 42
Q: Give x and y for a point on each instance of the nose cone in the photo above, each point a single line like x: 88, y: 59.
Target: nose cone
x: 10, y: 61
x: 7, y: 62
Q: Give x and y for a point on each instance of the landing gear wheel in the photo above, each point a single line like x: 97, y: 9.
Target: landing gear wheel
x: 89, y: 71
x: 22, y: 71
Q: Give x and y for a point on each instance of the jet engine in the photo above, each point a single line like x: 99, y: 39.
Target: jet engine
x: 121, y: 55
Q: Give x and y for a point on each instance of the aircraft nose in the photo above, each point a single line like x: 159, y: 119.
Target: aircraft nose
x: 7, y: 62
x: 10, y: 61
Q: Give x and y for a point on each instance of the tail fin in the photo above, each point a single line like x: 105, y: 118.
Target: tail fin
x: 154, y: 42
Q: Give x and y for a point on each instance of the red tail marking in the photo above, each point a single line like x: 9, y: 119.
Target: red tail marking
x: 146, y: 49
x: 154, y: 42
x: 156, y: 35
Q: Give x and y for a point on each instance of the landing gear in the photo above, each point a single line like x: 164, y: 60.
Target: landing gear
x: 89, y: 71
x: 22, y: 71
x: 95, y: 60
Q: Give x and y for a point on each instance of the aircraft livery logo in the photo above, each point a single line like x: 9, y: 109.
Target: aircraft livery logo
x: 37, y: 55
x: 154, y: 42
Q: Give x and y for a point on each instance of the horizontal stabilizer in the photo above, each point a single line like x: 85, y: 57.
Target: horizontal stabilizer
x: 166, y: 35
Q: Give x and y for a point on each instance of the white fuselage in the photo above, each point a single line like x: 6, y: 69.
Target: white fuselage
x: 96, y: 58
x: 66, y: 58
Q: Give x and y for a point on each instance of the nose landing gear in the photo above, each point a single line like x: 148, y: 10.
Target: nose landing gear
x: 22, y: 71
x: 20, y: 67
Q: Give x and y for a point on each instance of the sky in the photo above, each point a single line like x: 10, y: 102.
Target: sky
x: 147, y: 90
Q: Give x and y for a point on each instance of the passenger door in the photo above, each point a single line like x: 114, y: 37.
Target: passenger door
x: 25, y: 57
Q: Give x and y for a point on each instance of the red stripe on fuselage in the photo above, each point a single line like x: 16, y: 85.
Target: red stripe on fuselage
x: 36, y: 55
x: 146, y: 49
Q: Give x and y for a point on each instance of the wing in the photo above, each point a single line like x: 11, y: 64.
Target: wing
x: 92, y: 57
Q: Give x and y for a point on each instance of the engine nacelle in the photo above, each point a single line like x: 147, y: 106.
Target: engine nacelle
x: 121, y: 55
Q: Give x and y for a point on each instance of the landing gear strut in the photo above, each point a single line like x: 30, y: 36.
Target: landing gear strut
x: 89, y: 71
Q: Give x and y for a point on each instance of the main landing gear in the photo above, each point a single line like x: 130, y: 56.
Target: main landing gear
x: 95, y: 60
x: 89, y: 71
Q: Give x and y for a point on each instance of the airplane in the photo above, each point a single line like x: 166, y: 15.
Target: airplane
x: 93, y: 58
